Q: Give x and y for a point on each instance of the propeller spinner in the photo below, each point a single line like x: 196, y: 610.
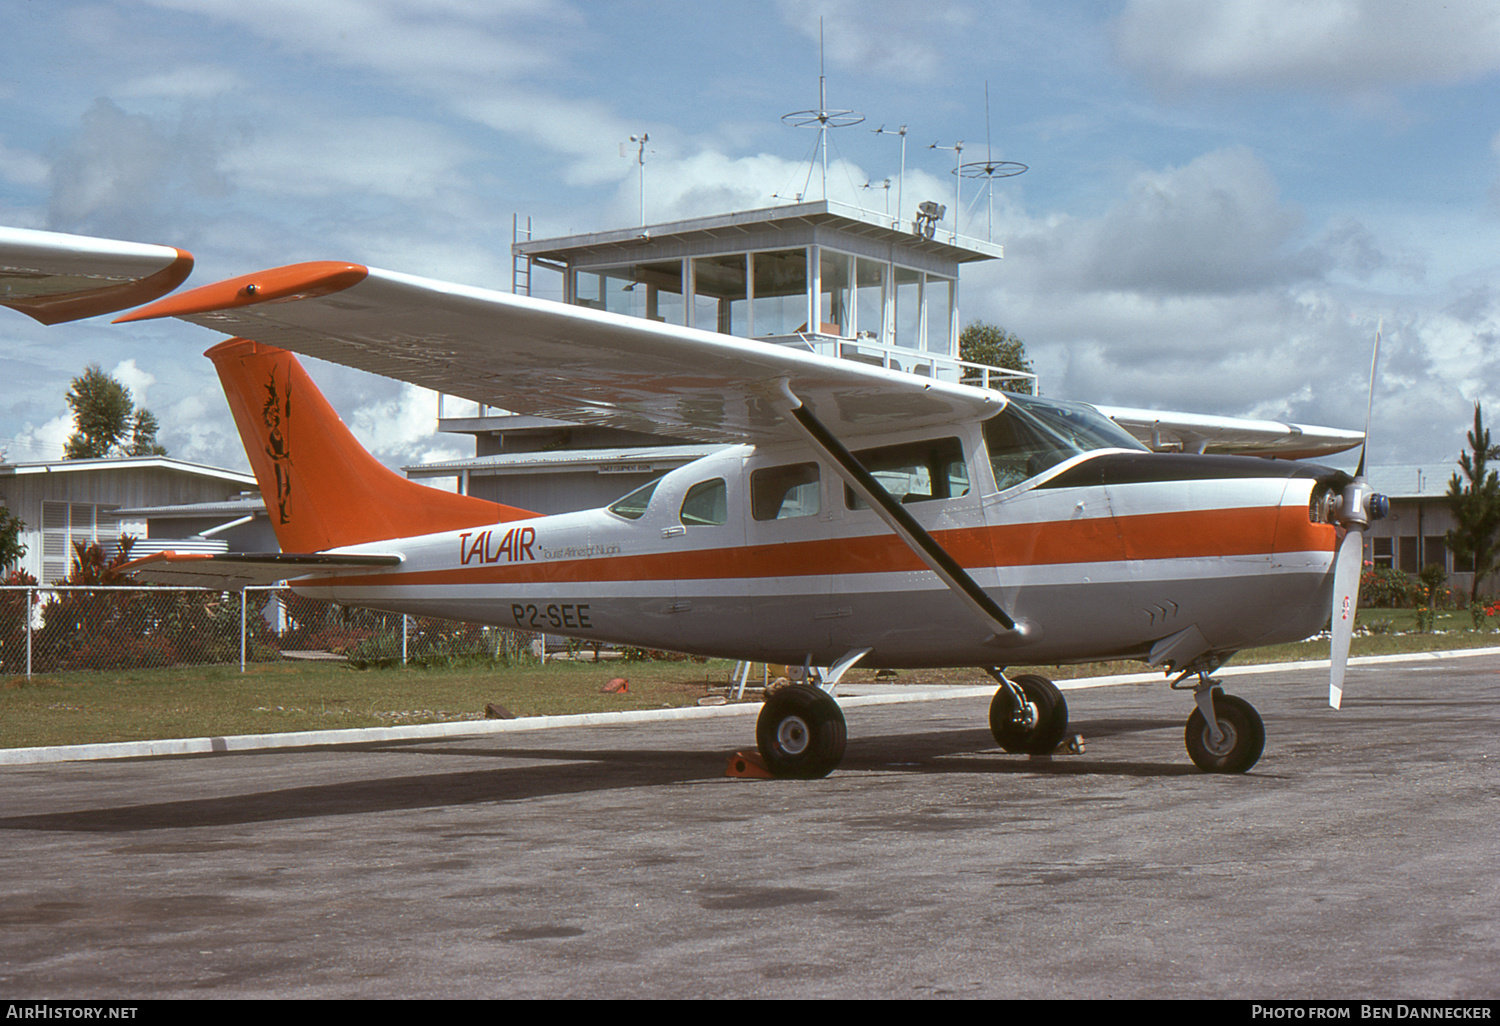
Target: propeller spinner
x: 1357, y: 506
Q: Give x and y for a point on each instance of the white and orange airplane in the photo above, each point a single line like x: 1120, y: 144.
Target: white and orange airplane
x: 854, y: 514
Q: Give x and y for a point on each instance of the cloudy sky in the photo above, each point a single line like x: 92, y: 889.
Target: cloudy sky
x: 1224, y: 196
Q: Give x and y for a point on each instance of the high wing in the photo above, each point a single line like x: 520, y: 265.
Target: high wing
x: 53, y: 278
x: 1202, y: 433
x: 548, y: 359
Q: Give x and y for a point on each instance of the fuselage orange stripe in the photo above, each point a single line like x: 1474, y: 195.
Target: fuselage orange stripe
x: 1181, y: 535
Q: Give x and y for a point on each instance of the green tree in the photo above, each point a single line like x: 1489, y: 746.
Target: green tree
x: 143, y: 427
x: 106, y: 421
x: 11, y: 546
x: 1474, y: 499
x: 993, y: 346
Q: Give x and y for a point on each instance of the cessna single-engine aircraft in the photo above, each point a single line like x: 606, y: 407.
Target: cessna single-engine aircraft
x: 854, y: 514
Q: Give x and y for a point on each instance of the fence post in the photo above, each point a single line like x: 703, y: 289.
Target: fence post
x: 243, y: 593
x: 27, y: 614
x: 405, y: 619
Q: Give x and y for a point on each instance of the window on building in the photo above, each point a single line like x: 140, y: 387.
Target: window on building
x: 1382, y: 552
x: 869, y: 299
x: 1406, y: 551
x: 778, y: 294
x: 64, y: 523
x: 939, y: 295
x: 1435, y: 550
x: 781, y: 493
x: 908, y: 333
x: 721, y: 294
x: 835, y: 312
x: 652, y: 291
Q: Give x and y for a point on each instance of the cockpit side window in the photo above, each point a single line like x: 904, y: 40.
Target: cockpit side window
x: 780, y: 493
x: 706, y: 504
x: 1031, y: 435
x: 915, y: 471
x: 633, y: 506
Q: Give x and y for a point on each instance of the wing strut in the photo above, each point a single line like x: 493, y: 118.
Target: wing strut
x: 900, y: 520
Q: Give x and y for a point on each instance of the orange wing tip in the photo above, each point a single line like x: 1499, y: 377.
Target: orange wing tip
x: 276, y: 285
x: 75, y: 306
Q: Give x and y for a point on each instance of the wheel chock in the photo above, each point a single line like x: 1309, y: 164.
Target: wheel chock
x: 748, y: 764
x: 1076, y: 746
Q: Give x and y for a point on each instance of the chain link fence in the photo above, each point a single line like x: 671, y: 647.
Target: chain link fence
x: 66, y: 628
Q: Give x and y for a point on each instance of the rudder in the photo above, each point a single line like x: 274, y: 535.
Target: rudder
x: 321, y: 487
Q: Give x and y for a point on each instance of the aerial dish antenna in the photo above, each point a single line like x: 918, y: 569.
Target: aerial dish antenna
x: 822, y: 119
x: 989, y: 169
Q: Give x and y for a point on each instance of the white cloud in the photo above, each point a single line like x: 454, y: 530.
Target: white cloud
x: 1214, y: 225
x: 902, y: 39
x: 1343, y: 46
x: 134, y: 379
x: 130, y: 176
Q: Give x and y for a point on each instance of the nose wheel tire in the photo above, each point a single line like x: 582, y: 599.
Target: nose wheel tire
x: 1243, y: 736
x: 801, y: 733
x: 1042, y: 731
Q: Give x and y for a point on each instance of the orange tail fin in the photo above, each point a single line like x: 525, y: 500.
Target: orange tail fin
x: 322, y: 489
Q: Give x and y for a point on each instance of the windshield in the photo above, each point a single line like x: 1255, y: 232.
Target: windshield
x: 1032, y: 434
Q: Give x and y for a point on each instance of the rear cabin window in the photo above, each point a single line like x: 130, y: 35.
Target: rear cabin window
x: 706, y: 504
x: 781, y: 493
x: 915, y: 471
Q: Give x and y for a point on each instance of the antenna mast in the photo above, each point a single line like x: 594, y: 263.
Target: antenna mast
x: 823, y: 118
x: 989, y: 169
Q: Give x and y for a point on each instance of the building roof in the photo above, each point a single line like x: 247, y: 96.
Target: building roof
x: 1412, y: 480
x: 247, y: 505
x: 124, y: 463
x: 821, y: 213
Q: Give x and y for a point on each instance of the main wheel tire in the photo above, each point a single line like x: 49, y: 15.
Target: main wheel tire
x: 1051, y: 717
x: 1244, y: 736
x: 801, y: 732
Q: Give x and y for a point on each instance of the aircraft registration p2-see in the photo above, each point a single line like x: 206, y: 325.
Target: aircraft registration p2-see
x: 854, y: 513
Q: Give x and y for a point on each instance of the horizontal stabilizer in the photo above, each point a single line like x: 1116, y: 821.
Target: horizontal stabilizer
x: 53, y: 278
x: 235, y: 570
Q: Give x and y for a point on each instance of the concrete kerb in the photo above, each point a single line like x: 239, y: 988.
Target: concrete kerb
x: 886, y: 695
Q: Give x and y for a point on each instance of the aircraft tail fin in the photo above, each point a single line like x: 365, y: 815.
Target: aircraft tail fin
x: 322, y: 488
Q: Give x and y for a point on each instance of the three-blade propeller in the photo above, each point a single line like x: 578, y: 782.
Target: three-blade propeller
x: 1358, y: 505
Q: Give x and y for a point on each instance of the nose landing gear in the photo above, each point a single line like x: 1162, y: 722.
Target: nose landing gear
x: 1224, y: 733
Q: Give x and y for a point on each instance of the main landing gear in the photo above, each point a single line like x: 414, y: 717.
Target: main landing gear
x: 1028, y: 715
x: 801, y: 732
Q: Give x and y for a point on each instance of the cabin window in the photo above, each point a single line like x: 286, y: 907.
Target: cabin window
x: 781, y: 493
x: 633, y: 506
x: 915, y: 471
x: 1032, y: 434
x: 706, y: 504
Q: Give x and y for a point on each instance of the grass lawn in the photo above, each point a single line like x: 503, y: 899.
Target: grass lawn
x: 202, y: 701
